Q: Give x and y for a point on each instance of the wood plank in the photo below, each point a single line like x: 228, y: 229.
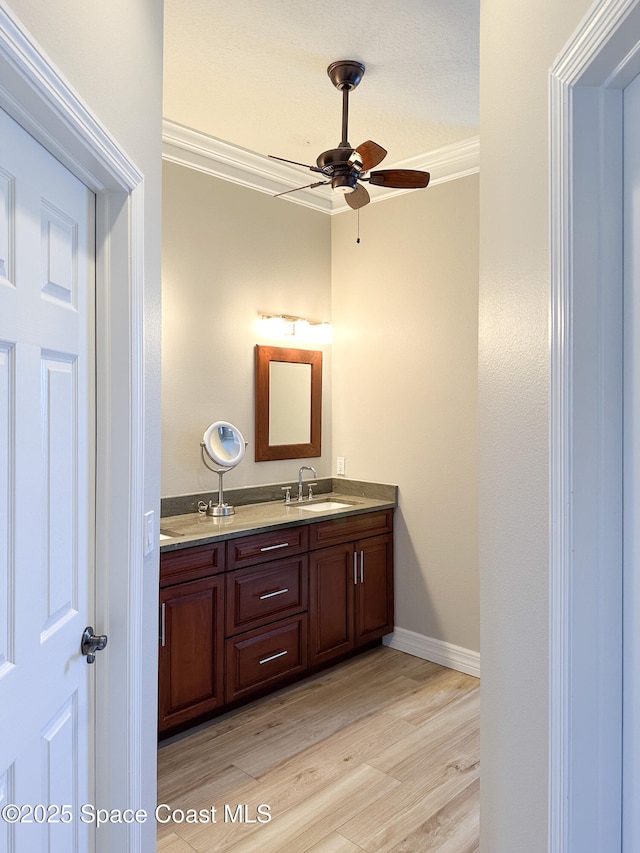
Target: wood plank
x: 307, y: 823
x: 172, y: 843
x: 436, y: 741
x: 383, y: 825
x: 294, y: 781
x: 453, y: 829
x: 379, y: 753
x: 335, y: 843
x: 199, y: 784
x: 440, y: 689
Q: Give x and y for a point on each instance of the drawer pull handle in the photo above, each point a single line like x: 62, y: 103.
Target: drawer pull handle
x: 271, y: 594
x: 273, y: 657
x: 273, y: 547
x: 163, y: 625
x: 355, y: 568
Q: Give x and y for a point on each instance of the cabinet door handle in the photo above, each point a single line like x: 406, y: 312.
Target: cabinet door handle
x: 355, y: 568
x: 273, y: 657
x: 273, y: 547
x: 271, y: 594
x: 163, y: 639
x: 361, y: 566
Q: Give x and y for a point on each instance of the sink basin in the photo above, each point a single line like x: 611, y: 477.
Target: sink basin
x: 165, y: 533
x: 323, y: 506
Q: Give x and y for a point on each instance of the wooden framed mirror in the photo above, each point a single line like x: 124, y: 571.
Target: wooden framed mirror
x: 288, y: 403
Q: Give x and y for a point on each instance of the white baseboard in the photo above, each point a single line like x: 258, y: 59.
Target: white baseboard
x: 437, y: 651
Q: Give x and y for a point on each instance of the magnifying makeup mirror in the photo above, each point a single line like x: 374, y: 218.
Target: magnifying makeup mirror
x: 224, y: 444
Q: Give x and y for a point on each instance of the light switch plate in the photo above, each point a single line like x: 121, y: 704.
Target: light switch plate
x: 340, y: 465
x: 148, y: 532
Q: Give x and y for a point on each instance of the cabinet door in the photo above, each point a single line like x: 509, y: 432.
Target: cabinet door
x: 191, y: 658
x: 331, y: 603
x: 374, y: 589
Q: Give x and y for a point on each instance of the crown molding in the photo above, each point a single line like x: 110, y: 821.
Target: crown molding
x: 196, y: 150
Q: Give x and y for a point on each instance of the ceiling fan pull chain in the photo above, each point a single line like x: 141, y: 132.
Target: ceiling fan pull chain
x: 358, y: 212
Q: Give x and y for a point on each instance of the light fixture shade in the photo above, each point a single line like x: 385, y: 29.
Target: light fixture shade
x: 344, y: 183
x: 283, y: 326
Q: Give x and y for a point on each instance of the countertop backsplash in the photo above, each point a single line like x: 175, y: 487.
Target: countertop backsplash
x: 184, y: 504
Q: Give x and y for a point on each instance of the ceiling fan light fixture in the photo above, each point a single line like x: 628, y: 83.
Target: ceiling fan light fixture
x: 344, y: 183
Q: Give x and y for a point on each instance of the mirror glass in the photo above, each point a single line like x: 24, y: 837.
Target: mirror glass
x: 288, y: 403
x: 224, y: 443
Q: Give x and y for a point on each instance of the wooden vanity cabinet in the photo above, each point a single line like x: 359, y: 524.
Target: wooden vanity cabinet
x: 243, y: 617
x: 350, y: 584
x: 191, y: 650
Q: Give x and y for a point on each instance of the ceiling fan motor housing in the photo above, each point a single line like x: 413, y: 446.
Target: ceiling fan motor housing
x: 335, y: 160
x: 342, y: 167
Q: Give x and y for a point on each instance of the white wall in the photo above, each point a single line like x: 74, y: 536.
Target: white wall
x: 518, y: 45
x: 405, y: 303
x: 229, y: 253
x: 111, y: 54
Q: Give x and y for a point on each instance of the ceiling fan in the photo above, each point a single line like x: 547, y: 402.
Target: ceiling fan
x: 344, y: 167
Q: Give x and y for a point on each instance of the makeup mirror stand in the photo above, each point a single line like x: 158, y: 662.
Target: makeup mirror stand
x: 221, y: 508
x: 225, y: 445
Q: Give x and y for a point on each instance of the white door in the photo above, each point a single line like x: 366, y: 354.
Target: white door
x: 631, y: 578
x: 47, y: 405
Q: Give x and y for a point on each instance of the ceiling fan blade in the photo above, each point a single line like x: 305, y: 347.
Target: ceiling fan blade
x: 404, y: 179
x: 358, y: 198
x: 295, y: 163
x: 371, y: 154
x: 305, y: 187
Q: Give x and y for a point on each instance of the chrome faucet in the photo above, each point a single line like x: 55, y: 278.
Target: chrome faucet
x: 305, y: 468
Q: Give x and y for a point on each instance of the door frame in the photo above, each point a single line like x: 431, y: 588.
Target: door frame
x: 586, y: 470
x: 34, y: 94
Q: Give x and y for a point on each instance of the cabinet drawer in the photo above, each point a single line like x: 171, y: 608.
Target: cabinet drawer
x: 187, y: 564
x: 262, y: 594
x: 270, y: 545
x: 263, y: 657
x: 348, y: 528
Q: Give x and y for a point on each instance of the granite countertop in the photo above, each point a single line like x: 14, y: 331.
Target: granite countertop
x: 181, y: 531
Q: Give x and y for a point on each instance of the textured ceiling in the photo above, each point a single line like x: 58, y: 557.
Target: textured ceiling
x: 254, y: 73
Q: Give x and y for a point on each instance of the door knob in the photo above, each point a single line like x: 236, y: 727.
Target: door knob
x: 92, y: 643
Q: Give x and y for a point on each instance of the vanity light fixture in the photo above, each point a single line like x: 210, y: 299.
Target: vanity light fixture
x: 283, y: 326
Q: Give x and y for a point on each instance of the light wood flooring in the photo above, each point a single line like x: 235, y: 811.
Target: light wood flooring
x: 380, y: 753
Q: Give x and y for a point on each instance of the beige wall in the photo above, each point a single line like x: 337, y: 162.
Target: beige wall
x: 519, y: 43
x: 404, y: 307
x: 405, y: 303
x: 111, y: 54
x: 229, y: 253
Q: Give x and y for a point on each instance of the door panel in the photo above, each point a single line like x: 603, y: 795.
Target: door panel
x: 47, y: 318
